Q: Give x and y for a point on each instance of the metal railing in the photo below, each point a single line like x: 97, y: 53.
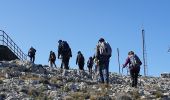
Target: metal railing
x: 7, y: 41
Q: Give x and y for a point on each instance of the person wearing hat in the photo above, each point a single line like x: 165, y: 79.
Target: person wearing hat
x: 134, y: 67
x: 64, y: 53
x: 103, y: 54
x: 31, y: 54
x: 90, y: 65
x: 52, y: 59
x: 80, y: 60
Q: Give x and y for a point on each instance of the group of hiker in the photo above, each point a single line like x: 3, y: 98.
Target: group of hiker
x: 100, y: 60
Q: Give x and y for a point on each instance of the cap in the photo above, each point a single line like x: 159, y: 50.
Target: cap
x: 130, y: 53
x: 59, y: 41
x: 79, y: 52
x: 101, y: 40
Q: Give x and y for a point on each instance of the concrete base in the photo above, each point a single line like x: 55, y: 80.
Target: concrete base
x: 6, y: 54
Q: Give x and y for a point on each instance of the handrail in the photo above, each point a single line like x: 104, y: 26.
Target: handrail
x: 7, y: 41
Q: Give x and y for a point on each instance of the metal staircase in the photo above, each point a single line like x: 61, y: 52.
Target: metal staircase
x: 10, y: 48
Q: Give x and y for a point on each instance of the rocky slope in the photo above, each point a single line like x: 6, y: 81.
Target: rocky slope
x: 26, y: 81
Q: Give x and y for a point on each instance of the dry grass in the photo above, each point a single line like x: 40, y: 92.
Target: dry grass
x: 158, y: 94
x: 68, y: 98
x: 55, y: 80
x: 135, y: 94
x: 93, y: 97
x: 80, y: 95
x: 2, y: 76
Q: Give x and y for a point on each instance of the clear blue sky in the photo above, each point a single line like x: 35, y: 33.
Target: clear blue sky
x: 41, y: 23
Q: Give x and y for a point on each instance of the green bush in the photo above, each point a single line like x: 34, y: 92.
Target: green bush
x: 158, y: 94
x: 1, y: 82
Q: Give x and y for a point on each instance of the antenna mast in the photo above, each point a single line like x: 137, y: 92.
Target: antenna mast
x: 144, y: 53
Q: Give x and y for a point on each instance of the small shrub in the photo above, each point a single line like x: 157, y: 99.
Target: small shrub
x: 44, y: 81
x: 123, y: 96
x: 66, y: 89
x: 33, y: 92
x: 24, y: 91
x: 135, y: 95
x: 3, y: 96
x: 1, y: 82
x: 80, y: 96
x: 158, y: 94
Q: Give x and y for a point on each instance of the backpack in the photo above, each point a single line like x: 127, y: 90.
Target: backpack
x: 32, y: 51
x: 135, y: 61
x: 105, y: 49
x: 65, y: 47
x: 90, y: 63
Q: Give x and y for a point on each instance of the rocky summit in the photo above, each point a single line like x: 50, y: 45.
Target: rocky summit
x: 22, y: 80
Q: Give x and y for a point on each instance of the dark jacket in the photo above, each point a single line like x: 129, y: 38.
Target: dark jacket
x: 103, y: 59
x: 31, y: 52
x: 90, y: 63
x: 52, y: 57
x: 80, y: 59
x: 62, y: 52
x: 59, y: 50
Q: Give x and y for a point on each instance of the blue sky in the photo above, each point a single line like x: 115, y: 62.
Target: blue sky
x: 41, y: 23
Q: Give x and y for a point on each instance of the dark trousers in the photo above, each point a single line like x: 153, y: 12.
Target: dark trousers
x: 81, y: 66
x: 90, y: 70
x: 32, y: 58
x: 134, y: 77
x: 104, y: 72
x: 65, y: 63
x: 52, y: 62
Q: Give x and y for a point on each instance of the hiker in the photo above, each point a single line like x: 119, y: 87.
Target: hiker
x: 80, y: 61
x: 103, y: 54
x: 64, y: 53
x: 52, y: 59
x: 134, y: 67
x: 90, y: 65
x: 31, y: 54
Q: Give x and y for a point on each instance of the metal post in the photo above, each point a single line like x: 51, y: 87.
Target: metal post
x: 14, y: 48
x: 144, y: 52
x: 118, y: 59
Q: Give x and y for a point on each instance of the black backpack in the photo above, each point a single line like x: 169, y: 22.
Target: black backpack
x: 65, y: 47
x: 90, y: 63
x: 32, y: 51
x: 135, y: 61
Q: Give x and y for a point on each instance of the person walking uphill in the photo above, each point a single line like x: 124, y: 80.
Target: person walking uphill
x: 80, y: 60
x: 90, y: 65
x: 103, y: 54
x: 52, y: 59
x: 31, y: 54
x: 64, y: 53
x: 134, y: 66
